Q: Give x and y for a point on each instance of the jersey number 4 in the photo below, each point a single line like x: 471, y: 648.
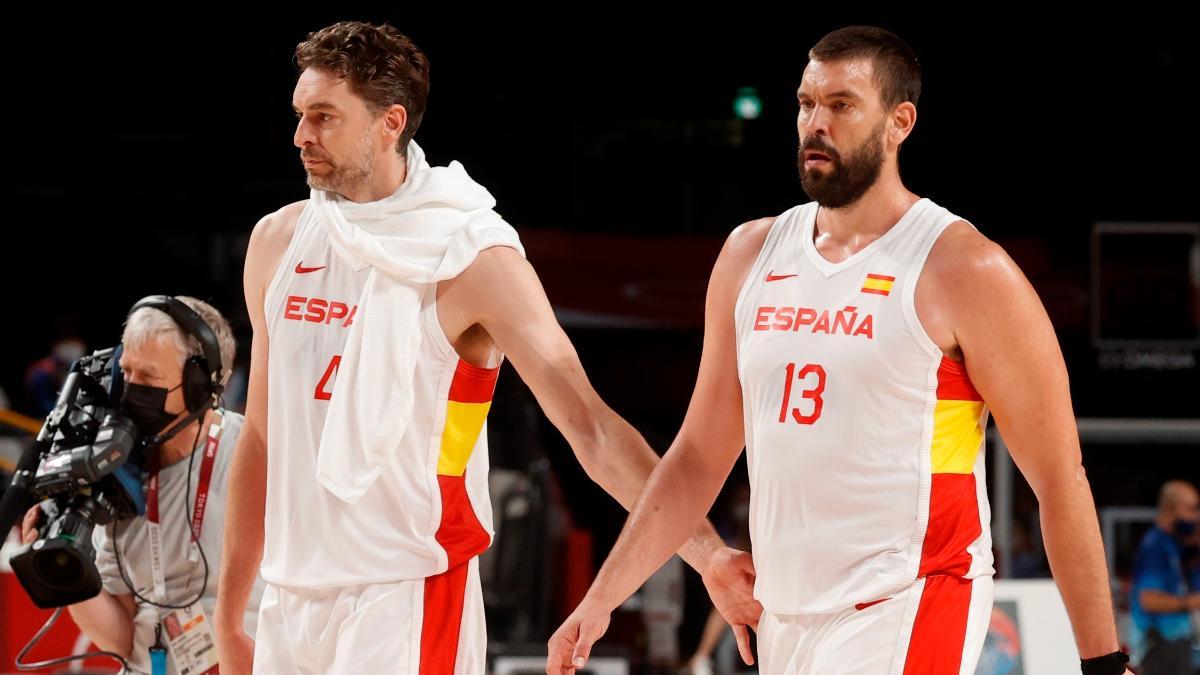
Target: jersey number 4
x: 324, y: 390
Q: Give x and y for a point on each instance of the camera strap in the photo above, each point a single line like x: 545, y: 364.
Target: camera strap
x: 152, y: 516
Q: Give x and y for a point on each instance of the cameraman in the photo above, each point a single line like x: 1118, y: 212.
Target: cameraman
x: 162, y: 362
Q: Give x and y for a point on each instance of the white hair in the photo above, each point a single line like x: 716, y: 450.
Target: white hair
x: 149, y: 324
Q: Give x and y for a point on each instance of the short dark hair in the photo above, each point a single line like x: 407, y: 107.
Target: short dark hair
x: 381, y: 64
x: 897, y: 72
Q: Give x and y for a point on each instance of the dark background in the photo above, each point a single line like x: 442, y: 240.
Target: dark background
x: 142, y: 149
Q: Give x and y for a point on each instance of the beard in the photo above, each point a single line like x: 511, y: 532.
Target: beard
x: 343, y: 175
x: 847, y: 178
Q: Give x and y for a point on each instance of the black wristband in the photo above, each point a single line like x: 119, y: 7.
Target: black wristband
x: 1109, y: 664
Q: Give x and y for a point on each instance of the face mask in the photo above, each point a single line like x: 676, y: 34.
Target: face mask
x: 144, y: 406
x: 1184, y: 528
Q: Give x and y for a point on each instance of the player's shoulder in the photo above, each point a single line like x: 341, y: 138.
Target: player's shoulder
x: 964, y: 260
x: 273, y: 233
x: 491, y: 266
x: 279, y: 224
x: 493, y: 270
x: 747, y: 239
x: 268, y: 243
x: 741, y: 249
x: 499, y: 257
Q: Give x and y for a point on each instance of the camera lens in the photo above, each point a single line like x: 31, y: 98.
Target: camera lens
x: 58, y: 567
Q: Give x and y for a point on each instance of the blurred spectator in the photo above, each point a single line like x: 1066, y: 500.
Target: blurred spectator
x: 44, y: 376
x: 1165, y: 582
x: 11, y: 444
x: 1028, y: 561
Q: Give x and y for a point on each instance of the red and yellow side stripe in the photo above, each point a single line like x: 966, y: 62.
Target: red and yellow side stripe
x: 460, y: 532
x: 958, y: 428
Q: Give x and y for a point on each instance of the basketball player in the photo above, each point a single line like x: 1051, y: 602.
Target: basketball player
x: 381, y: 308
x: 854, y: 345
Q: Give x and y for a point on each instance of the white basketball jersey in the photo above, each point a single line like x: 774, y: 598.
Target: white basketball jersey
x: 429, y: 510
x: 864, y: 441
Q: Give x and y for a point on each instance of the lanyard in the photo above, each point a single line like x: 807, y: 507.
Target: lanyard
x: 206, y: 468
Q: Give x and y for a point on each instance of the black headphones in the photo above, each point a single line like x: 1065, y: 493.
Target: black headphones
x: 202, y: 374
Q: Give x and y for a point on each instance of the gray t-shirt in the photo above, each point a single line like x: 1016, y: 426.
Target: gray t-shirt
x: 184, y: 576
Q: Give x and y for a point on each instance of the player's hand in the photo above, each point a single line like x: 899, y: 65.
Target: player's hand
x: 729, y: 578
x: 29, y: 524
x: 235, y: 652
x: 570, y: 646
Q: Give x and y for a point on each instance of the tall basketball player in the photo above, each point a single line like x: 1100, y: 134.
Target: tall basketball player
x: 854, y: 345
x: 381, y: 308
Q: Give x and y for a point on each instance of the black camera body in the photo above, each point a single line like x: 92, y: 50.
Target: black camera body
x: 89, y: 464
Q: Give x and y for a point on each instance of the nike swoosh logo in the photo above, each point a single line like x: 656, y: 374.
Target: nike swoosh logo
x: 301, y: 269
x: 771, y: 276
x: 863, y: 605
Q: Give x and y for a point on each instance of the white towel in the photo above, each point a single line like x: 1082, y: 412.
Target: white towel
x: 430, y: 229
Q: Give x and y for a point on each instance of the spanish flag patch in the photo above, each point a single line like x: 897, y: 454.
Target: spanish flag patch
x: 878, y: 284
